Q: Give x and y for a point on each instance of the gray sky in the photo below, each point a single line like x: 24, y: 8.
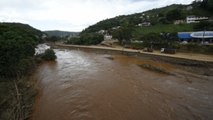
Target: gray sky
x: 73, y: 15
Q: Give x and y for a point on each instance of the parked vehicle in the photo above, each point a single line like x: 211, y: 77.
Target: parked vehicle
x: 168, y: 50
x: 148, y: 50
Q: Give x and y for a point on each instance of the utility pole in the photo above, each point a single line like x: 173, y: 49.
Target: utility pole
x: 203, y: 35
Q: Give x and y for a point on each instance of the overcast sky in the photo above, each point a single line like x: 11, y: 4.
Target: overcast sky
x: 73, y: 15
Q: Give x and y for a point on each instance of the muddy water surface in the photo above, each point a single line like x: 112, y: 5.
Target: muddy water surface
x: 89, y: 86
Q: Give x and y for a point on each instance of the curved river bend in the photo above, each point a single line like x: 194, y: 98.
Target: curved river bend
x: 89, y: 86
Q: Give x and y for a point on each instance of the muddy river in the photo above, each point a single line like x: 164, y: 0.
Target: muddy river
x: 89, y: 86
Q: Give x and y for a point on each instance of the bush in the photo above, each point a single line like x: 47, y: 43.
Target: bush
x: 203, y: 26
x: 74, y: 40
x: 196, y: 48
x: 190, y: 47
x: 158, y: 41
x: 209, y: 49
x: 49, y: 54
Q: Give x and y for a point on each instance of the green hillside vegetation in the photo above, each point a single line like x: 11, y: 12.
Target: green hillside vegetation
x: 86, y: 39
x: 17, y: 48
x: 163, y: 16
x: 160, y: 28
x: 161, y: 19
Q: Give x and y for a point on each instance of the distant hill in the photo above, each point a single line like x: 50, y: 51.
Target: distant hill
x: 58, y: 33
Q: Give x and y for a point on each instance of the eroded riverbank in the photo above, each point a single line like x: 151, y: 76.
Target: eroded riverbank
x: 89, y: 86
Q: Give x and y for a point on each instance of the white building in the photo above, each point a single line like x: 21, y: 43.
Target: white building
x: 101, y: 31
x: 189, y: 8
x: 194, y: 19
x: 107, y: 37
x: 177, y: 22
x: 146, y: 24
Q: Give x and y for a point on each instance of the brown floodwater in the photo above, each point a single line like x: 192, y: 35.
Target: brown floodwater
x: 89, y: 86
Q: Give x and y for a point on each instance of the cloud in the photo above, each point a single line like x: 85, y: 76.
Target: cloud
x: 73, y: 15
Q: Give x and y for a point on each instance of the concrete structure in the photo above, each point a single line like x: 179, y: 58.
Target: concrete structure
x: 189, y: 8
x: 194, y: 19
x: 200, y: 36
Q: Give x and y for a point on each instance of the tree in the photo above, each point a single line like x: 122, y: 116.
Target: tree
x: 17, y: 47
x: 209, y: 5
x: 175, y: 14
x: 53, y: 39
x: 86, y: 39
x: 151, y: 39
x: 205, y: 4
x: 203, y: 26
x: 124, y: 33
x: 157, y: 41
x: 91, y: 38
x: 163, y: 20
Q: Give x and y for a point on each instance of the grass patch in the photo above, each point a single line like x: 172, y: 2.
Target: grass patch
x: 170, y: 28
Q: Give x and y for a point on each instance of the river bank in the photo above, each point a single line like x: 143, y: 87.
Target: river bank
x: 18, y: 94
x: 188, y: 56
x: 197, y: 63
x: 17, y: 97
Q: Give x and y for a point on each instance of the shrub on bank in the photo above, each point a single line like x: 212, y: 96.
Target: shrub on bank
x: 48, y: 55
x: 196, y: 48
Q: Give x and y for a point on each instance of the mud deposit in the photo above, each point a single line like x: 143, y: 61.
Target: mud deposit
x: 89, y: 86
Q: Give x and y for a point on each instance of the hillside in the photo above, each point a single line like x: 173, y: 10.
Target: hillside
x: 21, y: 29
x: 58, y: 33
x: 159, y: 19
x: 186, y: 10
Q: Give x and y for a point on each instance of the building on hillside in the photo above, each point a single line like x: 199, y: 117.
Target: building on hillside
x: 189, y: 8
x: 144, y: 24
x: 199, y: 37
x: 44, y: 36
x: 102, y: 31
x: 107, y: 37
x: 194, y: 19
x: 177, y: 22
x: 115, y: 28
